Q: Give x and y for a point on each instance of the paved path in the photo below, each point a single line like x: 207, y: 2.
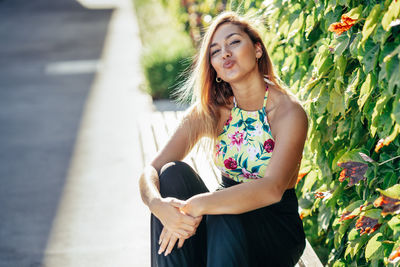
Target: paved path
x: 69, y: 157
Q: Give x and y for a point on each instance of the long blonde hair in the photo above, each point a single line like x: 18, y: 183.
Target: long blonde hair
x: 206, y: 94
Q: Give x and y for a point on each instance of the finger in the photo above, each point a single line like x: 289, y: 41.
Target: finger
x: 164, y: 230
x: 180, y: 243
x: 181, y: 234
x: 171, y: 245
x: 164, y: 242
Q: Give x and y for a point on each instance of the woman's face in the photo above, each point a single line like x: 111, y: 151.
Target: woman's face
x: 232, y: 53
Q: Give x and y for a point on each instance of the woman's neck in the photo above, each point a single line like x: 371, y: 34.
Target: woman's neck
x: 249, y: 94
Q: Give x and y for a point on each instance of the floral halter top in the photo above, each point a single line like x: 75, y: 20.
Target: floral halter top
x: 245, y: 145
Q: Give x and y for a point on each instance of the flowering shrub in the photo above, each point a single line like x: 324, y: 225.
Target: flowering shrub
x: 342, y: 60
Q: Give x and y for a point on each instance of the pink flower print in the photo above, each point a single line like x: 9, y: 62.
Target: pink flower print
x: 269, y: 145
x: 237, y: 139
x: 248, y: 174
x: 229, y: 120
x: 230, y: 163
x: 218, y: 150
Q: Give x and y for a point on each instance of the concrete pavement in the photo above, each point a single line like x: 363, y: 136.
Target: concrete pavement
x: 69, y: 157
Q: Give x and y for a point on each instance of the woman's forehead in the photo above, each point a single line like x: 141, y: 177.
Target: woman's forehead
x: 225, y: 31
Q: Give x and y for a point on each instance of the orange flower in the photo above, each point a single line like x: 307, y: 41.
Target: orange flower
x: 395, y: 255
x: 300, y: 176
x: 341, y: 27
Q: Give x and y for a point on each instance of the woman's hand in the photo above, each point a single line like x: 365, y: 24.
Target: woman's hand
x: 167, y: 239
x: 167, y: 242
x: 194, y: 205
x: 167, y: 210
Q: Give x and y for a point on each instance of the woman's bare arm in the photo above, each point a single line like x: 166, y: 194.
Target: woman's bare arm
x: 167, y: 209
x: 176, y: 149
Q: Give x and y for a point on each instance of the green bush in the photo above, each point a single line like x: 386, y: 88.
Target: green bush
x: 349, y: 184
x: 167, y: 50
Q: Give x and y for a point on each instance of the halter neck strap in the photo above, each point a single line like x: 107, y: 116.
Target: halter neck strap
x: 265, y: 98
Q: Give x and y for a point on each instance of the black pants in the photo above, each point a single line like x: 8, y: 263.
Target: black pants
x: 269, y: 236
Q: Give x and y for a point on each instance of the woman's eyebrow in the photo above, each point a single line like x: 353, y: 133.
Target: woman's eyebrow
x: 226, y: 37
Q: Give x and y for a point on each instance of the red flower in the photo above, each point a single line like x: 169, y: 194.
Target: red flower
x: 230, y: 163
x: 367, y: 225
x: 341, y: 27
x: 353, y: 170
x: 395, y: 255
x: 229, y: 120
x: 390, y: 205
x: 269, y: 145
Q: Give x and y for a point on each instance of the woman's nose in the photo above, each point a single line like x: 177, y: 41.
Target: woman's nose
x: 226, y: 53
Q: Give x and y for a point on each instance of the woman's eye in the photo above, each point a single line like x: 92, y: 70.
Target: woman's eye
x: 214, y: 52
x: 235, y: 42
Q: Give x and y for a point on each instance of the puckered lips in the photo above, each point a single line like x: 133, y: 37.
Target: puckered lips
x: 228, y: 63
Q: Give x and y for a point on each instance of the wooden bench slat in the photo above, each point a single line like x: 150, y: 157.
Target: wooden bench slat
x: 159, y: 130
x: 146, y: 136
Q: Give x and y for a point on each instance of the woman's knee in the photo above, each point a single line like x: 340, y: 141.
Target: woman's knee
x: 178, y: 179
x: 174, y: 172
x: 176, y: 167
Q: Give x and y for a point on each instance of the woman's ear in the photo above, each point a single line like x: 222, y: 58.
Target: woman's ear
x: 258, y: 49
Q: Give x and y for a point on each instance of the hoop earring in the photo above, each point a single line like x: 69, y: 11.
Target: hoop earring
x: 218, y: 79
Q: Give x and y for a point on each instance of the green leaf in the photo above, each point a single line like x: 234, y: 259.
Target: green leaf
x: 355, y: 12
x: 396, y: 109
x: 371, y: 59
x: 391, y: 14
x: 371, y: 22
x: 392, y: 192
x: 379, y: 107
x: 353, y: 234
x: 309, y: 181
x: 366, y: 90
x: 310, y: 22
x: 324, y: 217
x: 337, y: 104
x: 351, y: 88
x: 340, y: 63
x: 342, y: 43
x: 374, y: 248
x: 354, y: 45
x: 393, y: 72
x: 394, y: 223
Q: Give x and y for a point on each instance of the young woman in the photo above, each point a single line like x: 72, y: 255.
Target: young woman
x: 259, y: 132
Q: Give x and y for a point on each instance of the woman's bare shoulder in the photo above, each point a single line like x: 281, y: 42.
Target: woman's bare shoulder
x: 289, y: 110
